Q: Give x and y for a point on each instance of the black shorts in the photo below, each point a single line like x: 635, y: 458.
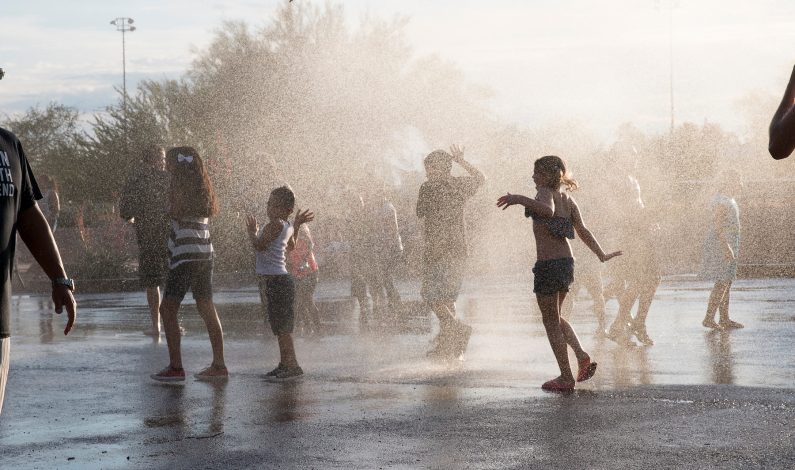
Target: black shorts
x: 277, y: 293
x: 441, y: 280
x: 553, y: 276
x: 152, y: 267
x: 194, y: 275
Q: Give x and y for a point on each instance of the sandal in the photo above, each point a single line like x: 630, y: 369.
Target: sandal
x: 586, y: 369
x: 558, y: 385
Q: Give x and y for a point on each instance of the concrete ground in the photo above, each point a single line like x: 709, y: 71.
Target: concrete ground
x: 696, y: 399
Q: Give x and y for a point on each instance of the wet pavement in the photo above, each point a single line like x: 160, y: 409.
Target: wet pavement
x: 695, y: 399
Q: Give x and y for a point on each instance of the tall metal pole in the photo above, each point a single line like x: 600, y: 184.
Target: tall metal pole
x: 124, y: 24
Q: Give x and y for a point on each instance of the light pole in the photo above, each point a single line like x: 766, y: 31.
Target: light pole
x: 123, y: 24
x: 671, y: 58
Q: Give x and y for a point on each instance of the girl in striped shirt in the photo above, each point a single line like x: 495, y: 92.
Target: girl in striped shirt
x: 192, y: 202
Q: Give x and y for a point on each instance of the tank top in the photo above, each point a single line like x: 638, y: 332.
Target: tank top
x: 271, y: 261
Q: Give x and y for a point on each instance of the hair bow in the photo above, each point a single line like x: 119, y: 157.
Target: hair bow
x: 184, y: 158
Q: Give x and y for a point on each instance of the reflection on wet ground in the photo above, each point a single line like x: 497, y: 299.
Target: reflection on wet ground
x: 365, y: 393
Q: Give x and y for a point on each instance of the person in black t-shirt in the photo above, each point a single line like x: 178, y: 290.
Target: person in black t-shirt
x: 19, y: 213
x: 441, y: 206
x: 143, y: 201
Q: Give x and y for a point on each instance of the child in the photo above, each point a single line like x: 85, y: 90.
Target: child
x: 191, y: 202
x: 638, y: 272
x: 721, y: 250
x: 276, y: 286
x: 441, y: 206
x: 303, y: 268
x: 556, y: 217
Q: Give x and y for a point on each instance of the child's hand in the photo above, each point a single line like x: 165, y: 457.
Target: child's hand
x: 457, y: 153
x: 251, y: 224
x: 303, y: 217
x: 610, y: 256
x: 507, y: 201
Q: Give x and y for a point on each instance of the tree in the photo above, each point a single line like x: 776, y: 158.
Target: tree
x: 52, y: 138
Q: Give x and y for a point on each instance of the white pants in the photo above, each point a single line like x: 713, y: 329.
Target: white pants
x: 5, y: 359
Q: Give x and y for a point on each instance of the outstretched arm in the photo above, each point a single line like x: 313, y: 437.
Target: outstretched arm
x: 35, y: 232
x: 587, y: 237
x: 782, y: 127
x: 542, y: 206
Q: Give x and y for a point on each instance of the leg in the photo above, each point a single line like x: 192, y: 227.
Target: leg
x: 287, y: 350
x: 153, y: 299
x: 168, y: 311
x: 311, y: 307
x: 567, y: 301
x: 445, y: 315
x: 359, y: 291
x: 5, y: 358
x: 618, y: 330
x: 550, y: 315
x: 725, y: 322
x: 593, y: 284
x: 392, y: 294
x: 568, y: 332
x: 638, y: 328
x: 208, y: 313
x: 647, y: 291
x: 715, y: 300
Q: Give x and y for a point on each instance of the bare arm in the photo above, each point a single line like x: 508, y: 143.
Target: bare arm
x: 542, y: 206
x: 35, y: 232
x: 458, y: 157
x: 782, y: 127
x: 587, y: 237
x: 269, y: 233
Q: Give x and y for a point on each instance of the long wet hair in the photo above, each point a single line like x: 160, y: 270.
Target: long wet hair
x: 554, y: 167
x: 191, y: 193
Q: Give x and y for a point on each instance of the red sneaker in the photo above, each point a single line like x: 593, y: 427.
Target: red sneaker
x: 586, y: 370
x: 557, y: 385
x: 169, y: 374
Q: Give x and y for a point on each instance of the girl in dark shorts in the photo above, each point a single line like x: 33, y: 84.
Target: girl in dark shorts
x: 556, y: 218
x: 276, y: 286
x: 191, y: 203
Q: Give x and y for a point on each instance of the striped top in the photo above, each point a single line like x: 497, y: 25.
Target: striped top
x: 189, y: 241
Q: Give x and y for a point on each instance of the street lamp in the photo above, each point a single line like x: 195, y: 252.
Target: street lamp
x: 123, y: 24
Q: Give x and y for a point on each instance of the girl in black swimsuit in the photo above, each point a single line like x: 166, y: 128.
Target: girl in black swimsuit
x: 556, y: 218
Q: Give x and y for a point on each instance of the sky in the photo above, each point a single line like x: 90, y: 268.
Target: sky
x: 599, y: 63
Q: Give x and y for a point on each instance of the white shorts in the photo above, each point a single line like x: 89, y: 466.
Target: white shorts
x: 5, y: 359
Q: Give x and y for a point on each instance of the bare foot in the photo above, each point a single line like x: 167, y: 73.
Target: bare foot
x: 212, y: 373
x: 710, y: 323
x: 731, y: 325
